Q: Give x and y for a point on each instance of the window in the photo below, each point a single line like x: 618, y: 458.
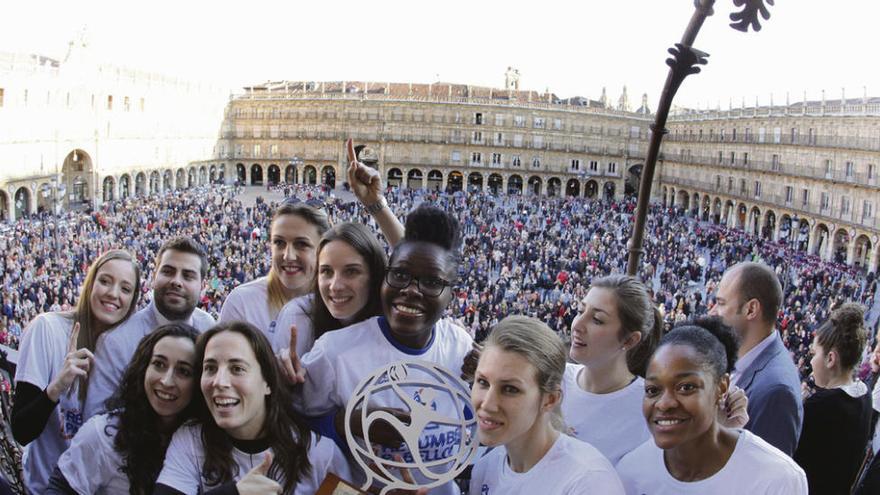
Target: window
x: 478, y: 118
x: 1, y: 97
x: 594, y: 166
x: 258, y: 131
x: 612, y: 167
x: 720, y: 157
x: 811, y: 136
x: 824, y: 201
x: 499, y: 139
x: 257, y: 151
x: 239, y: 150
x: 745, y: 158
x: 850, y: 170
x: 516, y: 161
x: 742, y: 187
x: 733, y: 135
x: 496, y: 159
x: 557, y: 124
x: 517, y: 140
x: 721, y: 136
x: 748, y: 136
x: 829, y: 168
x: 538, y: 141
x: 499, y: 119
x: 732, y: 157
x: 458, y: 117
x: 456, y: 156
x: 717, y: 182
x: 844, y: 205
x: 477, y: 137
x: 870, y: 171
x: 794, y: 135
x: 476, y: 158
x: 774, y: 163
x: 142, y: 105
x: 761, y: 132
x: 575, y: 165
x: 536, y: 162
x: 805, y: 197
x: 239, y: 131
x: 757, y: 189
x: 519, y: 121
x: 126, y: 104
x: 729, y: 184
x: 109, y: 102
x: 539, y: 123
x: 867, y: 210
x: 789, y: 194
x: 777, y: 135
x: 273, y: 149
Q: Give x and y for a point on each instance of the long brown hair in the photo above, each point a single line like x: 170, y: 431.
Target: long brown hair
x: 365, y: 244
x: 313, y: 216
x: 637, y: 314
x: 286, y: 432
x: 82, y: 313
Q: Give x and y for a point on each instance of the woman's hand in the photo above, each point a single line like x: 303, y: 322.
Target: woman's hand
x: 256, y: 482
x: 76, y: 365
x: 365, y: 182
x: 288, y: 360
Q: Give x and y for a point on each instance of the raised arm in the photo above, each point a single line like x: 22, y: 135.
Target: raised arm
x: 366, y: 184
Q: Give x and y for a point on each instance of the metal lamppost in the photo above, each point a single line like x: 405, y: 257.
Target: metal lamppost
x: 684, y: 62
x: 294, y: 162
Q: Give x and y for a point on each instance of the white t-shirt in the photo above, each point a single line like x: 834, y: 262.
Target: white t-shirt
x: 250, y: 302
x: 613, y: 423
x: 341, y: 359
x: 115, y: 349
x: 297, y: 311
x: 186, y: 456
x: 91, y: 464
x: 41, y: 357
x: 570, y: 467
x: 755, y: 468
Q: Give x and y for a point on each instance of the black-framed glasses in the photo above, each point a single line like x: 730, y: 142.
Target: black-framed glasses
x: 428, y: 286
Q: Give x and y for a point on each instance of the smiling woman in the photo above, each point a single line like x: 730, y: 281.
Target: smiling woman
x: 122, y: 451
x: 691, y: 451
x: 293, y: 237
x: 248, y: 438
x: 56, y: 358
x: 415, y: 292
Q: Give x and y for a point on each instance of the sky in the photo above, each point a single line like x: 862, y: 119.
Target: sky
x: 570, y: 48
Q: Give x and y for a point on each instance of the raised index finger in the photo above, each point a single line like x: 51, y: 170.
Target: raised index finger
x: 74, y: 337
x: 292, y: 349
x: 349, y: 145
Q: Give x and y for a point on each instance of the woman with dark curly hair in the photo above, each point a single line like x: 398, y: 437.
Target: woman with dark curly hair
x: 692, y: 451
x: 122, y: 451
x: 248, y: 439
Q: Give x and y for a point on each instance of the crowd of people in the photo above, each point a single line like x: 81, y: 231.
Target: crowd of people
x: 306, y: 284
x: 520, y: 256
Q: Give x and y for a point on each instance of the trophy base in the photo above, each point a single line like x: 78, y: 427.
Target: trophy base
x: 333, y: 485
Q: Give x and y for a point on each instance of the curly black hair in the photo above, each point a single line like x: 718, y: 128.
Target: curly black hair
x: 428, y: 223
x: 715, y: 342
x: 138, y: 439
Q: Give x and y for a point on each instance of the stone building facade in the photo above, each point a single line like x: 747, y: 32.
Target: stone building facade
x: 446, y: 136
x: 807, y: 173
x: 75, y: 132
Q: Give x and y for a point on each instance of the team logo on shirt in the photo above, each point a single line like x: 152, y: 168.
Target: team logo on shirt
x: 71, y: 420
x: 484, y: 490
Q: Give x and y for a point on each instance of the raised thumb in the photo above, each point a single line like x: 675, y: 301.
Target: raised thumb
x: 263, y: 467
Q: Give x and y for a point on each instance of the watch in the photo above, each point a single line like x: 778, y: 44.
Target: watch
x: 376, y: 207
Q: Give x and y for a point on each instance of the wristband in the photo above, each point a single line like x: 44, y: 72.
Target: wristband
x: 376, y: 207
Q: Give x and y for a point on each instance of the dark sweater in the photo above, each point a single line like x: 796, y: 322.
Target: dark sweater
x: 833, y: 439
